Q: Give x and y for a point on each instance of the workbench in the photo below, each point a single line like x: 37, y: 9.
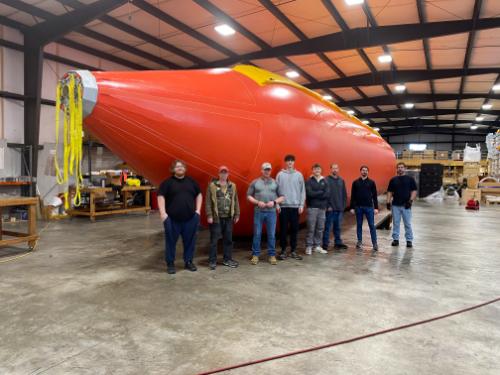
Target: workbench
x: 92, y: 210
x: 19, y: 237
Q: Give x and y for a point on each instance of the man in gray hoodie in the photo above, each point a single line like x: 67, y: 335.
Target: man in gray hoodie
x: 291, y: 186
x: 337, y: 202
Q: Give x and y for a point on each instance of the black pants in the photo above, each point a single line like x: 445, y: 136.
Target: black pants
x: 289, y: 223
x: 224, y: 229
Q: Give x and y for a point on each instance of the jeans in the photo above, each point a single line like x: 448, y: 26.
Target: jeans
x: 187, y: 230
x: 370, y: 217
x: 259, y: 219
x: 289, y: 218
x: 315, y: 226
x: 223, y: 229
x: 333, y: 218
x: 397, y: 213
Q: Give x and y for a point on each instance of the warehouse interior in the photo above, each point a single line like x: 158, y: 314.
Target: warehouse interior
x: 83, y: 279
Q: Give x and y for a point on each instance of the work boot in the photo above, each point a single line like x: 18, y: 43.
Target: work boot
x: 375, y: 247
x: 190, y: 266
x: 340, y: 247
x: 254, y: 260
x: 359, y: 245
x: 272, y: 260
x: 282, y: 255
x: 212, y: 265
x: 409, y: 244
x: 395, y: 243
x: 230, y: 263
x: 319, y: 249
x: 295, y: 256
x: 171, y: 269
x: 308, y: 250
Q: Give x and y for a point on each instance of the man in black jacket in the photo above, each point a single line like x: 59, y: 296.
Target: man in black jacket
x: 364, y: 202
x: 337, y: 202
x: 317, y: 193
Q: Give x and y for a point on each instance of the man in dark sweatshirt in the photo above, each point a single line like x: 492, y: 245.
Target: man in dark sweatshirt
x: 337, y: 203
x: 364, y: 202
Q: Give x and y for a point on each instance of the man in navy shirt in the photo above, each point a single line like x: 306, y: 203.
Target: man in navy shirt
x: 179, y: 202
x: 364, y: 202
x: 401, y: 193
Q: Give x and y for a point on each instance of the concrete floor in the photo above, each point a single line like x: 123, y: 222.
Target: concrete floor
x: 94, y: 299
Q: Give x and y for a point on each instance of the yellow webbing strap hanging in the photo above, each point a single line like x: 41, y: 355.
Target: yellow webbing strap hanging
x: 69, y: 99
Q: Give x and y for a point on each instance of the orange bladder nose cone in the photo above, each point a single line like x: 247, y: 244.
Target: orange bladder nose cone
x: 237, y: 117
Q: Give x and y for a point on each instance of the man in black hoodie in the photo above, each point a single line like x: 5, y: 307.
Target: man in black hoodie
x: 316, y: 199
x: 364, y: 202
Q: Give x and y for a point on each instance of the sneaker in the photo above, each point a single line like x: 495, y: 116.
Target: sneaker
x: 170, y: 269
x: 340, y: 247
x: 359, y: 245
x: 190, y: 266
x: 325, y: 247
x: 319, y: 249
x: 308, y: 250
x: 375, y: 247
x: 254, y: 260
x: 295, y: 256
x: 212, y: 265
x: 282, y: 255
x: 395, y: 243
x: 409, y: 244
x: 230, y: 263
x: 272, y: 260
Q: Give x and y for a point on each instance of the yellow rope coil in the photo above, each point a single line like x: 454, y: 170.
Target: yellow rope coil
x: 69, y: 99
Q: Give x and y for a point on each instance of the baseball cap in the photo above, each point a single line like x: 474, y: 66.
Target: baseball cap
x: 223, y: 168
x: 266, y: 165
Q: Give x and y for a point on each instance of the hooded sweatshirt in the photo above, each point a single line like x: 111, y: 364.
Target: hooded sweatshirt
x: 292, y: 187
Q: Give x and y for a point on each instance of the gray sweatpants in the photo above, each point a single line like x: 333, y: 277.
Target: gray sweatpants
x: 315, y: 226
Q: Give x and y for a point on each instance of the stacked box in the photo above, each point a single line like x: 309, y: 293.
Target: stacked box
x: 471, y: 169
x: 456, y: 155
x: 417, y: 155
x: 428, y: 154
x: 472, y: 182
x: 407, y: 154
x: 442, y: 155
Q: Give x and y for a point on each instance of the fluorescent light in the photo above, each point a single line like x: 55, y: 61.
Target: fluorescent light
x: 292, y: 74
x: 400, y: 88
x: 487, y: 106
x: 327, y: 97
x: 366, y: 122
x: 385, y: 58
x: 409, y: 105
x: 496, y: 88
x: 225, y: 29
x: 418, y: 146
x: 473, y: 127
x: 479, y: 118
x: 354, y: 2
x: 376, y: 129
x: 350, y: 112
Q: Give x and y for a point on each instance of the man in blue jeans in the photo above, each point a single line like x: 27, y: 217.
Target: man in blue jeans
x: 264, y: 194
x: 401, y: 193
x: 337, y: 203
x: 364, y: 202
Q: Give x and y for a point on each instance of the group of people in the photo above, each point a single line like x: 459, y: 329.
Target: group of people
x: 286, y: 197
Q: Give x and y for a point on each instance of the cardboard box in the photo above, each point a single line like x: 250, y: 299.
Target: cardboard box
x: 456, y: 155
x: 428, y: 154
x: 442, y: 155
x: 407, y: 154
x: 472, y: 182
x: 470, y: 194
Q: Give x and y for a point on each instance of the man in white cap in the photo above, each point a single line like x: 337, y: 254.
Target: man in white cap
x: 223, y: 210
x: 264, y: 194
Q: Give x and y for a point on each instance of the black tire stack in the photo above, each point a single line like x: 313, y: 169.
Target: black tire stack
x: 431, y: 179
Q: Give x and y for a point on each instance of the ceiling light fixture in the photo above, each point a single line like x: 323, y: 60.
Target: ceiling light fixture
x: 354, y: 2
x: 327, y: 97
x: 366, y: 122
x: 376, y: 129
x: 409, y: 105
x: 225, y: 29
x: 487, y: 106
x: 496, y: 87
x: 385, y: 58
x: 292, y: 74
x: 400, y: 88
x: 350, y: 112
x: 473, y: 127
x: 479, y: 118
